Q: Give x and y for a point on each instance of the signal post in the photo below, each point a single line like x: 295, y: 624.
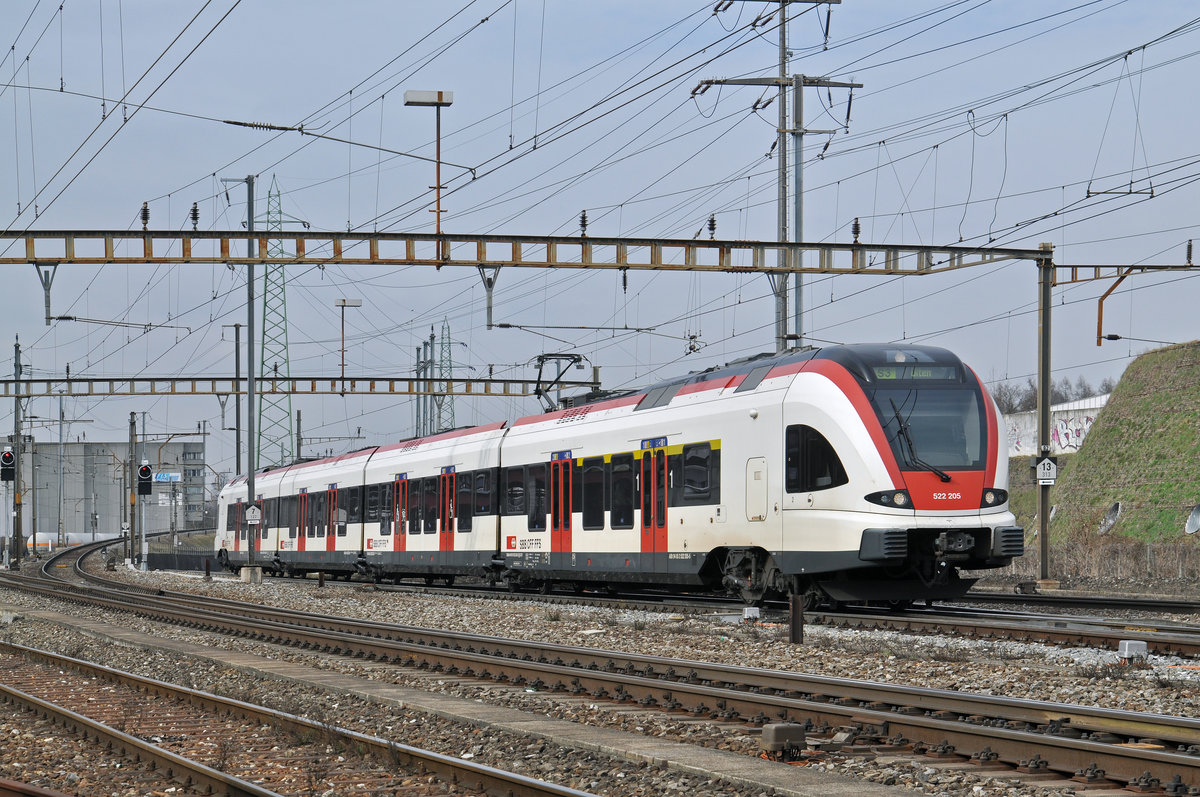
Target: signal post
x: 8, y: 471
x: 145, y: 486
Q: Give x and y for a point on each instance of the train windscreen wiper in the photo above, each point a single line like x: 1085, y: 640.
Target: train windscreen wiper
x: 912, y: 449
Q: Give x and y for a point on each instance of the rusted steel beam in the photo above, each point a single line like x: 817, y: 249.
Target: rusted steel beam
x: 132, y: 247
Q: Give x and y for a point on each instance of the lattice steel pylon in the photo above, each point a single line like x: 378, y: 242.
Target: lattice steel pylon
x: 445, y: 401
x: 275, y: 438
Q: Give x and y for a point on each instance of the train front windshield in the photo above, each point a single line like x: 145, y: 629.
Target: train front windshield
x: 933, y: 426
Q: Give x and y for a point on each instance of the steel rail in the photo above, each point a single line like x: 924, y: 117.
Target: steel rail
x: 12, y: 788
x: 1054, y: 630
x: 1072, y: 738
x: 1019, y: 710
x: 1160, y: 638
x: 489, y: 780
x: 1110, y: 602
x: 193, y: 773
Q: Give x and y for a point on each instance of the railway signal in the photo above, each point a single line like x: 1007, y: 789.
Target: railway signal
x: 8, y: 462
x: 145, y: 479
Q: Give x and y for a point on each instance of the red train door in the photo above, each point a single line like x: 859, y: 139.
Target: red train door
x: 654, y: 500
x: 237, y: 526
x: 259, y: 532
x: 560, y: 505
x: 400, y: 515
x: 302, y: 525
x: 446, y: 496
x: 331, y: 522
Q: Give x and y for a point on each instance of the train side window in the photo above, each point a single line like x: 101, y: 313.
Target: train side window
x: 697, y: 474
x: 624, y: 494
x: 811, y: 464
x: 351, y: 500
x: 386, y: 509
x: 230, y: 522
x: 310, y: 515
x: 342, y: 511
x: 483, y: 492
x: 465, y: 501
x: 535, y: 491
x: 592, y: 493
x: 429, y: 490
x: 319, y: 512
x: 414, y: 505
x: 514, y: 491
x: 289, y: 505
x: 372, y: 506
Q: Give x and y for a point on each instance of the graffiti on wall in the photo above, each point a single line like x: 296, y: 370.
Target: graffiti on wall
x: 1068, y: 428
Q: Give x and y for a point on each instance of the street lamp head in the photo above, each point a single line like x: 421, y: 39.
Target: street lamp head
x: 430, y: 98
x: 347, y: 303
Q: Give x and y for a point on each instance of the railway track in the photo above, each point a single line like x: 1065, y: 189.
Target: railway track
x: 1074, y: 601
x: 1030, y: 738
x: 215, y: 745
x: 12, y: 788
x: 1161, y: 637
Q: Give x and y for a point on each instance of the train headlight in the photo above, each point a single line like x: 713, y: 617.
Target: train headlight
x: 993, y: 497
x: 898, y: 499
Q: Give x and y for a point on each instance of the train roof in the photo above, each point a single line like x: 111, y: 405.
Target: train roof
x: 858, y: 358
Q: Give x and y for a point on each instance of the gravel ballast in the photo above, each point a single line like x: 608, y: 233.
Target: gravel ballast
x: 1014, y: 669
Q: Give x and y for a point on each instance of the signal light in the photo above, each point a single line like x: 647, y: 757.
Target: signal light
x: 145, y: 478
x: 8, y: 465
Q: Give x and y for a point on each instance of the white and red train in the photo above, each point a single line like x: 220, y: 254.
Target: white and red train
x: 859, y: 472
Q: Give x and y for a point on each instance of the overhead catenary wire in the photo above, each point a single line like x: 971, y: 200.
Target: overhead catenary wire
x: 680, y: 222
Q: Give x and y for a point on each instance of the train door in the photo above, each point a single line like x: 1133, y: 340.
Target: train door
x: 301, y: 519
x: 446, y: 498
x: 654, y: 500
x: 238, y: 526
x: 560, y: 504
x: 400, y: 516
x: 332, y: 518
x: 258, y: 532
x: 756, y: 488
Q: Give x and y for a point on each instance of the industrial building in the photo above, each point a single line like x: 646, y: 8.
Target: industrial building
x: 78, y: 491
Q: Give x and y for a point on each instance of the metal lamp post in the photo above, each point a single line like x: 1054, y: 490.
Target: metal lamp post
x: 343, y: 304
x: 437, y: 99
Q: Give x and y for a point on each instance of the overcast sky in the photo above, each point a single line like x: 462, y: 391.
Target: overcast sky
x: 1010, y: 123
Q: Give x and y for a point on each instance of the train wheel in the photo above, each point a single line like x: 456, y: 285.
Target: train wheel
x: 449, y: 581
x: 543, y: 588
x: 812, y: 598
x: 752, y: 597
x: 901, y: 605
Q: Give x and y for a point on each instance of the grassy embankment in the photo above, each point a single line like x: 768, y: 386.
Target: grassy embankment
x: 1144, y: 452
